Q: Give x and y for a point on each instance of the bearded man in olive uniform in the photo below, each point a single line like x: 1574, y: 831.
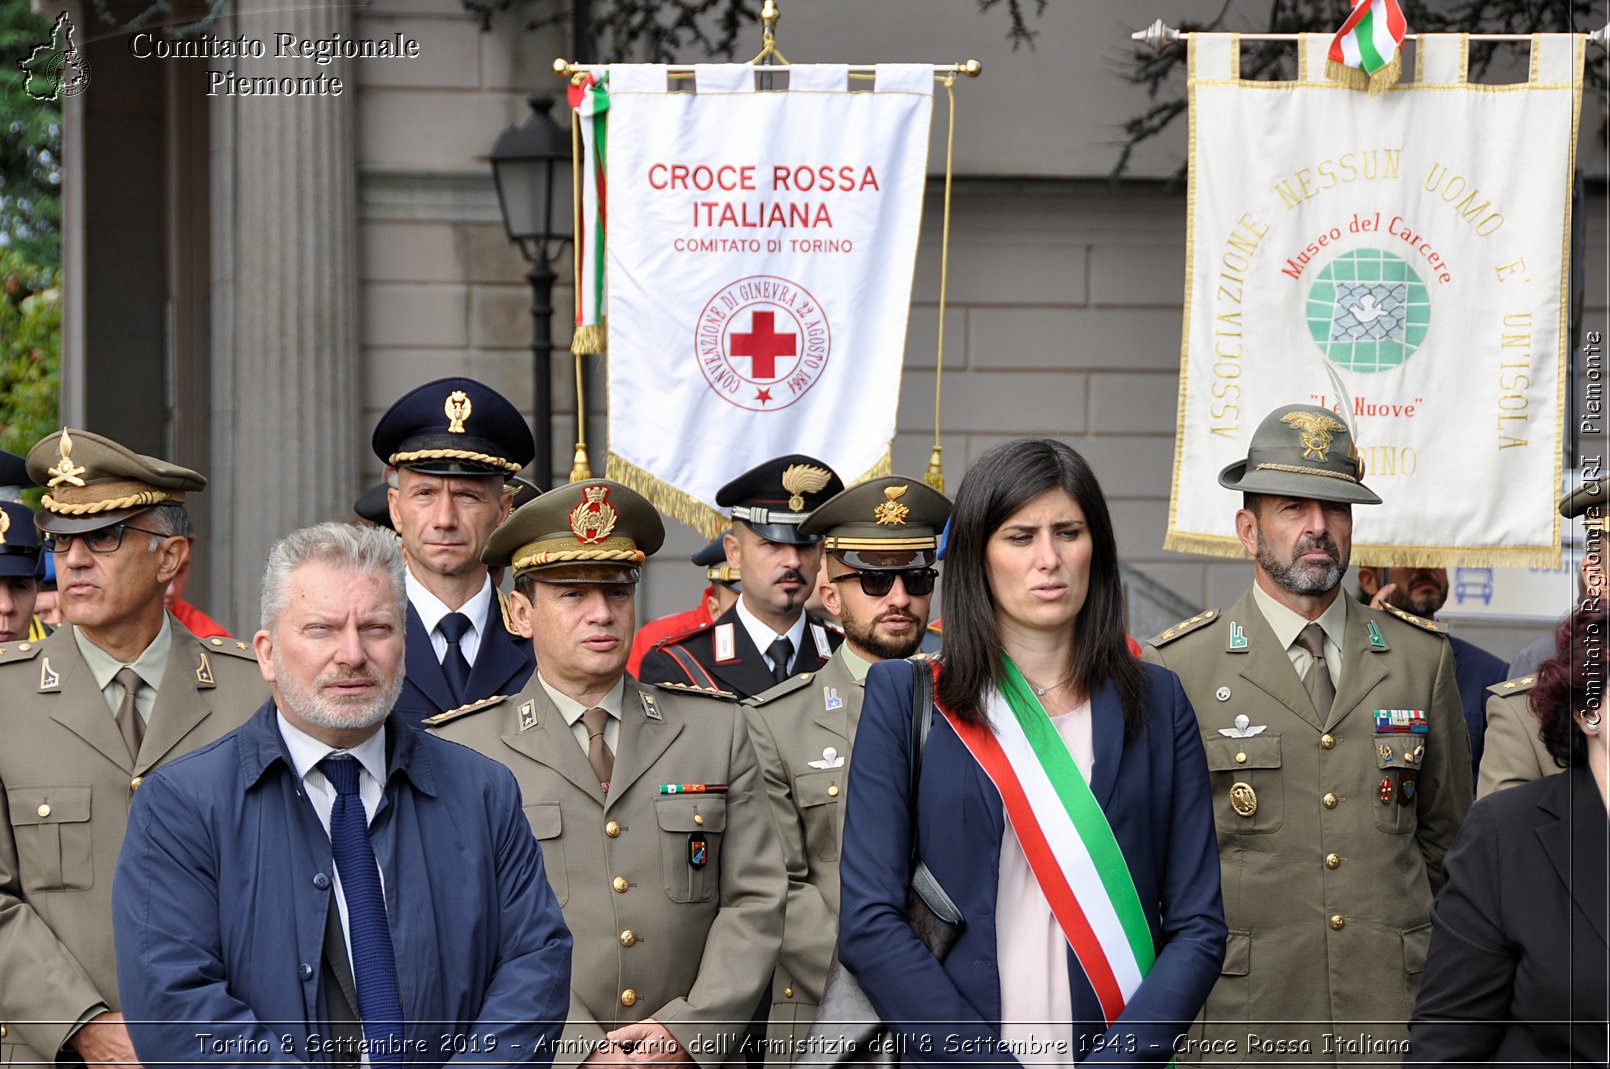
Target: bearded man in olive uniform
x: 1340, y: 767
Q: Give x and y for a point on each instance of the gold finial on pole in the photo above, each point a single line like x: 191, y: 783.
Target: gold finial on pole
x: 768, y: 54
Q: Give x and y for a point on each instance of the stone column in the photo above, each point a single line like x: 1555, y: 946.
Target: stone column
x: 285, y: 385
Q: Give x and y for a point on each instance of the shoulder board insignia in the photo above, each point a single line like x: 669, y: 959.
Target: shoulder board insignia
x: 464, y: 710
x: 708, y: 692
x: 683, y: 636
x: 234, y: 647
x: 21, y: 651
x: 1418, y: 621
x: 787, y: 686
x: 1185, y: 627
x: 1518, y: 685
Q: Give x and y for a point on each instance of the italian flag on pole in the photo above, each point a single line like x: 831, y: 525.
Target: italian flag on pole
x: 1365, y: 53
x: 1067, y: 840
x: 590, y: 99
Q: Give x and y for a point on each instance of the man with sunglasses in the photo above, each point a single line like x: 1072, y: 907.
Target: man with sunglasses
x: 121, y: 688
x: 882, y: 540
x: 767, y: 636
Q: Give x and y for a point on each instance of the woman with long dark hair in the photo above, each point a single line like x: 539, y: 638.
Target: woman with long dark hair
x: 1062, y: 805
x: 1519, y: 969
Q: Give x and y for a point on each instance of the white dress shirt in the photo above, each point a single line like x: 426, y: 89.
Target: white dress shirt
x: 763, y: 636
x: 431, y: 609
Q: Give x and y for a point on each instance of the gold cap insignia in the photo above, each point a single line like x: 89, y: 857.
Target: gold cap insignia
x: 1316, y: 432
x: 65, y: 470
x: 889, y: 513
x: 457, y: 410
x: 5, y: 525
x: 593, y: 519
x: 802, y: 479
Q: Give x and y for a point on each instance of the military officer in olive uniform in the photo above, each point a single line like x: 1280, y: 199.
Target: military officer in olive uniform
x: 1515, y: 752
x: 648, y: 801
x: 881, y: 539
x: 450, y: 446
x: 1339, y: 761
x: 118, y: 690
x: 767, y: 636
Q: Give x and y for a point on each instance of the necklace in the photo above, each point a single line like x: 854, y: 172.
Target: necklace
x: 1039, y: 691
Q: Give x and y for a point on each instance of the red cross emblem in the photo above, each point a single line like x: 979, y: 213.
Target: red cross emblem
x: 762, y: 342
x: 763, y: 345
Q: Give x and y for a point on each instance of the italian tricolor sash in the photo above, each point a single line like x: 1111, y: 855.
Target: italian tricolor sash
x: 1066, y: 838
x: 590, y: 99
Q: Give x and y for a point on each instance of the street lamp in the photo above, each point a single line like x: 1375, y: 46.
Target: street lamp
x: 531, y: 169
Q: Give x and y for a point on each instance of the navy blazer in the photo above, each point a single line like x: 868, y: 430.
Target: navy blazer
x: 1156, y: 797
x: 1519, y: 967
x: 1475, y: 670
x: 222, y: 893
x: 503, y: 664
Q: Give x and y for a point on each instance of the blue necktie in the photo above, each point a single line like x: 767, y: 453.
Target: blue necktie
x: 455, y: 666
x: 374, y: 969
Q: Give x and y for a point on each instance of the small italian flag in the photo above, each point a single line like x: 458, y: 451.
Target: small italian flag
x: 590, y: 99
x: 1366, y: 52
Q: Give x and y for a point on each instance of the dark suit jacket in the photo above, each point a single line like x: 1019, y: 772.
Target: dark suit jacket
x: 1519, y: 936
x: 691, y: 658
x: 221, y: 905
x: 1155, y: 795
x: 502, y: 665
x: 1475, y: 670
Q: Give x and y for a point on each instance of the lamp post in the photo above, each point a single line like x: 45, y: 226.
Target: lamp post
x: 531, y: 169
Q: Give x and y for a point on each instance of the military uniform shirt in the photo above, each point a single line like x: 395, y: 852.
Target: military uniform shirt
x: 763, y: 636
x: 1287, y: 625
x: 571, y: 710
x: 149, y: 665
x: 431, y: 609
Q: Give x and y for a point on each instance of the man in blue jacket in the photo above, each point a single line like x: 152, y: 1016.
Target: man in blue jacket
x: 325, y: 884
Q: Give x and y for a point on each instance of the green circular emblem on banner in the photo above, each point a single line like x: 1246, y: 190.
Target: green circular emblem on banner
x: 1368, y: 311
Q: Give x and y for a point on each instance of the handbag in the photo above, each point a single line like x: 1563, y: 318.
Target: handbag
x: 847, y: 1030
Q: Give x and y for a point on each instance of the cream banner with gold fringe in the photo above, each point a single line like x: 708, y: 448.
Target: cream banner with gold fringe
x: 1400, y: 259
x: 759, y: 267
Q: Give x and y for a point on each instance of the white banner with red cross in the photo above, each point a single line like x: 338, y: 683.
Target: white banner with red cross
x: 1401, y: 259
x: 759, y: 264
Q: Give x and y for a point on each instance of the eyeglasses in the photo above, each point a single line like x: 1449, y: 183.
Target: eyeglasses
x: 101, y: 540
x: 919, y: 582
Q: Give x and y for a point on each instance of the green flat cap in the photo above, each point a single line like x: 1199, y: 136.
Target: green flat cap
x: 1301, y: 451
x: 588, y: 532
x: 887, y: 524
x: 93, y: 482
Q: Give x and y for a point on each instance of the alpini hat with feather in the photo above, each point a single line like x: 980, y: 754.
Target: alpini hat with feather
x: 92, y: 482
x: 595, y: 531
x: 777, y: 497
x: 1302, y: 451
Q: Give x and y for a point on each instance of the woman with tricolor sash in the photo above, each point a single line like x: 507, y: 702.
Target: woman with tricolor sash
x: 1063, y: 800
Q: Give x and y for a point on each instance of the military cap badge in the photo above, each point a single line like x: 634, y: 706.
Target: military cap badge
x: 802, y: 479
x: 593, y: 519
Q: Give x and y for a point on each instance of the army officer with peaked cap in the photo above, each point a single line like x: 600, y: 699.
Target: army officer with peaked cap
x: 648, y: 801
x: 453, y: 443
x: 881, y: 539
x: 119, y: 689
x: 1339, y: 764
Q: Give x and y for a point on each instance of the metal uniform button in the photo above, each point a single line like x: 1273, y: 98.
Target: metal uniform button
x: 1337, y: 921
x: 321, y: 881
x: 698, y: 818
x: 44, y: 809
x: 1333, y: 861
x: 1327, y: 741
x: 612, y: 829
x: 134, y: 784
x: 1223, y: 694
x: 1329, y: 801
x: 788, y: 992
x: 620, y: 884
x: 833, y: 790
x: 2, y: 1031
x: 1240, y: 758
x: 628, y: 937
x: 305, y: 971
x: 628, y: 997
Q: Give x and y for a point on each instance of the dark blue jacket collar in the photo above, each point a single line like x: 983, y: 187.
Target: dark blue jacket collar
x: 261, y: 746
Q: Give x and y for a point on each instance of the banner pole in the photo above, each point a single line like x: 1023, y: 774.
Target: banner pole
x: 935, y: 475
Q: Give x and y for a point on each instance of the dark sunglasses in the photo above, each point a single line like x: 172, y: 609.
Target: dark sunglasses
x: 101, y: 540
x: 919, y: 582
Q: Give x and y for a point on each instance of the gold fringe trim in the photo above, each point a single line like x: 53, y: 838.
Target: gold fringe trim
x: 589, y: 340
x: 399, y: 459
x: 142, y: 499
x: 677, y: 504
x: 1376, y: 83
x: 580, y: 469
x: 1385, y: 556
x: 684, y: 508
